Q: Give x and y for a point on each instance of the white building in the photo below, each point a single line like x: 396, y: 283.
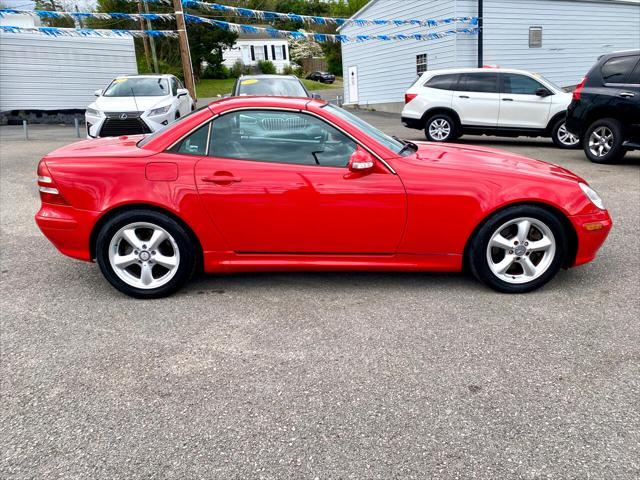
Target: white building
x: 560, y: 39
x: 251, y: 48
x: 43, y: 73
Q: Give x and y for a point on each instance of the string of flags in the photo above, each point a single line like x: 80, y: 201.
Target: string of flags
x: 80, y: 15
x: 326, y: 37
x: 88, y: 32
x: 362, y: 22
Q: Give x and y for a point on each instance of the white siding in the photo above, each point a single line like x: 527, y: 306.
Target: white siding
x: 57, y: 73
x: 574, y: 35
x: 231, y: 56
x: 387, y: 68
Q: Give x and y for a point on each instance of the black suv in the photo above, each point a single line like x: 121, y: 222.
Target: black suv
x: 605, y: 110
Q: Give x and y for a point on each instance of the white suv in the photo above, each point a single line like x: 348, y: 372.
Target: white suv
x: 487, y: 101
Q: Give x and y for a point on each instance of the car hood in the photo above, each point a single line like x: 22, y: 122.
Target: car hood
x: 487, y: 161
x: 108, y: 147
x: 129, y: 104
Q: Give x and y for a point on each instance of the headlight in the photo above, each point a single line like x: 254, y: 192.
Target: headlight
x: 95, y: 113
x: 592, y: 195
x: 159, y: 111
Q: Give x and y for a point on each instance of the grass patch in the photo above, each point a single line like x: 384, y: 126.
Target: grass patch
x: 208, y: 88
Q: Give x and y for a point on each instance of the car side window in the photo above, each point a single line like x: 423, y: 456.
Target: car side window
x: 443, y: 82
x: 634, y: 79
x: 519, y: 84
x: 279, y: 137
x: 174, y: 86
x: 478, y: 82
x: 195, y: 143
x: 616, y: 70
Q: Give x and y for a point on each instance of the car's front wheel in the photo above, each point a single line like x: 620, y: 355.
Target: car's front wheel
x: 603, y: 141
x: 562, y: 137
x: 145, y: 254
x: 441, y: 128
x: 518, y: 249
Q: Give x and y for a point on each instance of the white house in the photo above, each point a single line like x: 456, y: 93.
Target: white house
x: 560, y: 39
x: 43, y: 73
x: 251, y: 48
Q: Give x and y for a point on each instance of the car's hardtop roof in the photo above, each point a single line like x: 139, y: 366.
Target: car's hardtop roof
x: 619, y: 53
x: 248, y: 101
x: 150, y: 75
x: 479, y: 70
x: 258, y: 77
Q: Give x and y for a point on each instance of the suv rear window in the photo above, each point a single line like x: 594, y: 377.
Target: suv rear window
x: 478, y: 82
x: 443, y: 82
x: 616, y: 70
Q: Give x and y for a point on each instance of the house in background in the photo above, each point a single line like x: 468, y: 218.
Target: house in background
x: 251, y: 48
x: 560, y: 39
x: 44, y: 78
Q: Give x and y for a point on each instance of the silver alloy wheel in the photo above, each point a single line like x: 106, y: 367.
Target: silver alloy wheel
x: 601, y: 141
x: 144, y: 255
x: 439, y: 129
x: 521, y: 250
x: 566, y: 137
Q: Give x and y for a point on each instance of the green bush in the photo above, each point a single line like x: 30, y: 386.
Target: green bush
x: 289, y: 70
x: 216, y: 72
x: 267, y: 67
x: 236, y: 70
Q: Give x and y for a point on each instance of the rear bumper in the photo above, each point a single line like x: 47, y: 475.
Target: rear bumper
x: 592, y: 230
x: 412, y: 123
x: 68, y: 229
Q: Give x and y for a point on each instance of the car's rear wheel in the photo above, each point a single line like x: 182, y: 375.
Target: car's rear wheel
x: 562, y: 137
x: 518, y: 249
x: 603, y: 141
x: 441, y: 128
x: 145, y: 254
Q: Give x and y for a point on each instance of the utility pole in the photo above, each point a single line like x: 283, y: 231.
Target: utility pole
x: 152, y: 42
x: 145, y: 39
x: 185, y: 53
x: 480, y: 30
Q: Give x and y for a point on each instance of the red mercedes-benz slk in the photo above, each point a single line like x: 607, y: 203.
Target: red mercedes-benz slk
x: 254, y: 183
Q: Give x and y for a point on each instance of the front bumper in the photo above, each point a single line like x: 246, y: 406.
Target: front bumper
x: 146, y: 123
x: 69, y: 229
x: 592, y: 230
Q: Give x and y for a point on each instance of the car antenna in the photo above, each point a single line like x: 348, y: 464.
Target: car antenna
x: 134, y: 99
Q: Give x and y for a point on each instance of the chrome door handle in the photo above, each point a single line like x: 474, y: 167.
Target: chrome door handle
x: 626, y: 94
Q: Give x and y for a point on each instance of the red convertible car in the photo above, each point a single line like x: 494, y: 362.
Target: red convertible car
x: 254, y: 183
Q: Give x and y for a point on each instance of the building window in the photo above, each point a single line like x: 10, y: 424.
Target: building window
x: 421, y: 64
x: 278, y: 53
x: 535, y: 37
x: 260, y: 53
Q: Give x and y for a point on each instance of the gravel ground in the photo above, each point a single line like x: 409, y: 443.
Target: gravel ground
x: 318, y: 375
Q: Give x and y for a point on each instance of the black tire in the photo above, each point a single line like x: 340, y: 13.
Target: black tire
x: 617, y: 151
x: 185, y: 245
x: 555, y: 136
x: 448, y: 121
x: 478, y: 248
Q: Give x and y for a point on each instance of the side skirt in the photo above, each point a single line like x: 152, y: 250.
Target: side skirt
x: 229, y: 262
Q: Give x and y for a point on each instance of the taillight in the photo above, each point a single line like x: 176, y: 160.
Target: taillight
x: 49, y: 192
x: 409, y: 96
x: 578, y: 91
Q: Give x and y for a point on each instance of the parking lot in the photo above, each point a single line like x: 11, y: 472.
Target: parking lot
x: 319, y: 375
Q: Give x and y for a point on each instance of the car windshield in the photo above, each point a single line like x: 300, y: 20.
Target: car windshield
x: 137, y: 86
x: 391, y: 143
x: 279, y: 87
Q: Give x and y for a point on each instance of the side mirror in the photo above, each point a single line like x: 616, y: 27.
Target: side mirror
x: 182, y: 92
x: 226, y: 95
x: 316, y: 96
x: 97, y: 93
x: 361, y: 161
x: 543, y: 92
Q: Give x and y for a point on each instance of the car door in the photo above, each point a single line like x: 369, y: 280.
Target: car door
x: 277, y: 181
x: 521, y: 105
x: 184, y: 102
x: 623, y: 74
x: 477, y: 99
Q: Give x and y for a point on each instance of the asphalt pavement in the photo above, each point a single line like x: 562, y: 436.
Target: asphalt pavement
x: 318, y: 375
